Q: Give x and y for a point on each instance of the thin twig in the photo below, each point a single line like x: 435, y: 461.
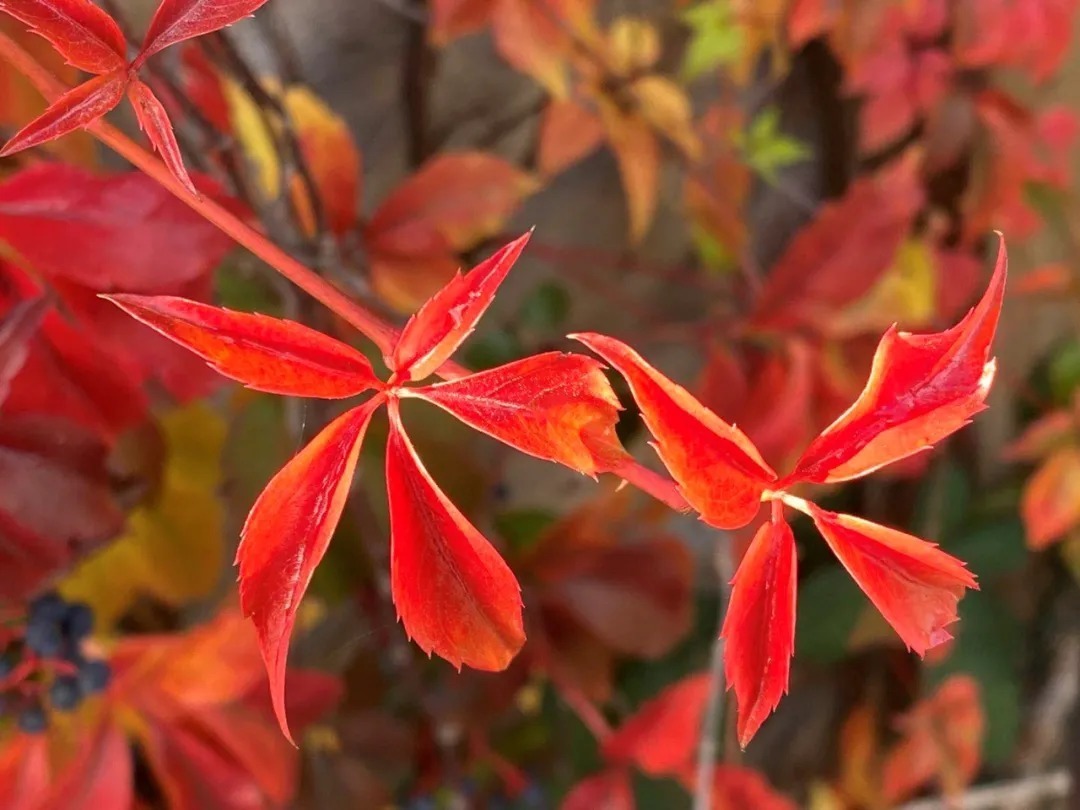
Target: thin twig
x: 1003, y: 795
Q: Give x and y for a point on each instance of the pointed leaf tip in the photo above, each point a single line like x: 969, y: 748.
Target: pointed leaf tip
x: 154, y: 121
x: 922, y: 388
x: 177, y: 20
x: 85, y: 35
x: 287, y: 533
x: 264, y: 353
x: 455, y: 596
x: 443, y: 323
x: 717, y: 467
x: 759, y: 628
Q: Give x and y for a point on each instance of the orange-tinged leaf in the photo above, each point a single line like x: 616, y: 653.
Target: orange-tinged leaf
x: 451, y: 19
x: 264, y: 353
x: 759, y: 628
x: 1051, y: 501
x: 287, y: 533
x: 638, y: 155
x: 610, y: 790
x: 719, y: 471
x: 665, y: 105
x: 541, y: 405
x: 914, y: 584
x: 453, y: 201
x: 738, y: 788
x: 921, y: 389
x: 449, y: 317
x: 529, y: 36
x: 100, y: 774
x: 154, y: 121
x: 455, y: 595
x: 406, y: 282
x: 568, y: 132
x: 633, y: 45
x: 662, y: 737
x: 86, y: 36
x: 177, y: 20
x: 1046, y: 434
x: 75, y: 109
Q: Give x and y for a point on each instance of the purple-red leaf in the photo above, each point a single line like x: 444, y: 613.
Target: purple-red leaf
x: 553, y: 406
x: 760, y: 625
x: 154, y: 121
x: 85, y: 36
x: 264, y: 353
x: 287, y: 533
x: 75, y: 109
x: 455, y: 595
x: 449, y: 317
x: 177, y: 20
x: 16, y: 329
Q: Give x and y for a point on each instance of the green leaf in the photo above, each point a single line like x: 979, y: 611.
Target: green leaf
x: 521, y: 528
x: 830, y: 605
x: 1064, y: 372
x: 766, y: 149
x: 944, y: 501
x: 545, y: 309
x: 993, y: 548
x: 491, y: 349
x: 715, y: 40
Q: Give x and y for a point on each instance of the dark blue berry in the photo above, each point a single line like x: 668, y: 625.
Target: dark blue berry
x: 32, y: 719
x: 78, y: 621
x: 7, y: 663
x: 49, y: 607
x: 65, y: 693
x: 94, y: 676
x: 44, y: 637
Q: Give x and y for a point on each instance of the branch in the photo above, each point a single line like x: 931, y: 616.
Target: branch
x: 1003, y: 795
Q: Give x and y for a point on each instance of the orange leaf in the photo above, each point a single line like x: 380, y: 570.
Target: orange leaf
x: 1051, y: 501
x: 100, y: 775
x: 449, y: 317
x: 638, y: 155
x: 662, y: 737
x: 528, y: 35
x: 455, y: 595
x: 264, y: 353
x: 921, y: 389
x: 568, y: 132
x: 914, y: 584
x: 719, y: 471
x: 760, y: 625
x: 287, y: 533
x: 154, y: 121
x: 75, y: 109
x: 543, y: 405
x: 451, y: 19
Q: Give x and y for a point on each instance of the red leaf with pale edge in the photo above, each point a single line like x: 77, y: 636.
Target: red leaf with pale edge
x: 454, y: 594
x: 661, y: 739
x: 914, y: 584
x: 85, y: 36
x: 546, y: 405
x: 287, y: 533
x: 921, y: 389
x: 177, y: 20
x: 718, y: 469
x: 19, y: 325
x: 154, y: 121
x: 449, y: 317
x: 264, y: 353
x: 759, y: 628
x: 610, y: 790
x: 75, y: 109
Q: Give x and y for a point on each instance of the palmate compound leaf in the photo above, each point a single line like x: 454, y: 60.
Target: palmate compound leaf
x: 177, y: 20
x: 154, y: 121
x: 760, y: 625
x: 454, y: 594
x: 921, y: 389
x: 554, y: 406
x: 75, y: 109
x: 442, y: 324
x: 718, y: 469
x: 85, y: 36
x: 268, y: 354
x: 287, y: 533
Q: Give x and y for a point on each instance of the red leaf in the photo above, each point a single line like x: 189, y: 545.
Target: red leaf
x: 18, y: 327
x: 760, y: 625
x: 1050, y: 504
x: 921, y: 389
x: 75, y: 109
x: 154, y: 121
x: 85, y: 36
x: 738, y: 788
x: 444, y: 322
x: 455, y: 595
x: 24, y: 772
x: 718, y: 469
x: 177, y: 20
x: 553, y: 406
x: 287, y: 533
x: 914, y: 584
x: 100, y: 775
x: 610, y: 790
x: 661, y: 739
x: 130, y: 234
x: 264, y: 353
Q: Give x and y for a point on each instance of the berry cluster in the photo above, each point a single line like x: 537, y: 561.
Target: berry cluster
x: 43, y: 666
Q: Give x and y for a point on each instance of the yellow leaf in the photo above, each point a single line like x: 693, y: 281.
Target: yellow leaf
x: 905, y: 293
x: 665, y: 105
x: 172, y: 549
x: 633, y: 45
x: 638, y: 155
x: 255, y: 137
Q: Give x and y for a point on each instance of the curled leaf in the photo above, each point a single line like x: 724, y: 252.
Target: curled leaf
x: 264, y: 353
x: 717, y: 467
x: 551, y: 405
x: 455, y: 595
x: 287, y: 533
